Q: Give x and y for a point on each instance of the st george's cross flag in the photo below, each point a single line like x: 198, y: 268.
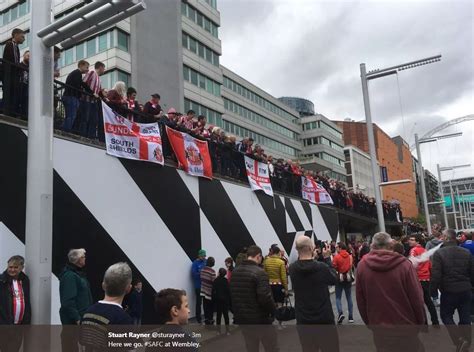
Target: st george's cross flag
x: 192, y: 154
x: 258, y: 175
x: 126, y: 139
x: 314, y: 192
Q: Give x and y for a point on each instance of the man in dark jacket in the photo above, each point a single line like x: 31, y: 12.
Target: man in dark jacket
x: 453, y: 274
x: 11, y: 72
x: 15, y: 306
x: 311, y: 280
x: 388, y: 294
x: 252, y: 302
x: 134, y: 304
x: 73, y: 91
x: 75, y: 296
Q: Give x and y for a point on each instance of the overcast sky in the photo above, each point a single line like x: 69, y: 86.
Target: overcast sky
x: 312, y: 49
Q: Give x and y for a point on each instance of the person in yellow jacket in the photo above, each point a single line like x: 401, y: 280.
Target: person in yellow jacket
x: 276, y: 270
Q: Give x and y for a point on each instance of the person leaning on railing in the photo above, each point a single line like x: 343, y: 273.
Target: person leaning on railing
x: 90, y: 124
x: 11, y: 73
x: 72, y: 93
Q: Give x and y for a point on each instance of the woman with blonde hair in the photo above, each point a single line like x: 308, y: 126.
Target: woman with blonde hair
x: 116, y: 97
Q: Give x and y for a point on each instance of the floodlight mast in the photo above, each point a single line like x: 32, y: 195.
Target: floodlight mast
x: 365, y: 77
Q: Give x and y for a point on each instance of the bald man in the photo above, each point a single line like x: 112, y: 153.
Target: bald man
x: 311, y: 280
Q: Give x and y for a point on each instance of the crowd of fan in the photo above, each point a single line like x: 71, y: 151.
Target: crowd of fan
x: 80, y: 113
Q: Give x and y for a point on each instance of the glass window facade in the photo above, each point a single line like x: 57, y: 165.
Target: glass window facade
x: 91, y: 47
x: 323, y: 140
x: 259, y: 119
x: 69, y: 56
x: 320, y: 124
x: 198, y: 18
x: 327, y: 157
x: 80, y: 51
x: 257, y: 99
x: 15, y: 12
x: 122, y: 40
x: 101, y: 42
x: 213, y: 3
x: 213, y: 117
x: 201, y: 81
x: 200, y: 49
x: 109, y: 78
x: 259, y: 139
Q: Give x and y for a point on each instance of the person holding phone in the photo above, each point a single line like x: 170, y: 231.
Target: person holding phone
x: 311, y: 280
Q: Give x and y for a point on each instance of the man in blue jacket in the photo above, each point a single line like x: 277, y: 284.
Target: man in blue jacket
x: 196, y: 268
x: 468, y: 243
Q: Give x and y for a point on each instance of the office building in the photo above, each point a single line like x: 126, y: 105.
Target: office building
x: 322, y: 144
x: 173, y: 48
x: 393, y: 155
x: 359, y: 171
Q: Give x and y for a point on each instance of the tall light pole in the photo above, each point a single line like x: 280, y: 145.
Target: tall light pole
x: 365, y: 77
x: 441, y: 193
x: 422, y: 171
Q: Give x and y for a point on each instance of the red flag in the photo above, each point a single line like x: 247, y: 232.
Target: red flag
x: 192, y: 154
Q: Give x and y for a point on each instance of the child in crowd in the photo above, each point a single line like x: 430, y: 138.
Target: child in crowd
x: 221, y: 298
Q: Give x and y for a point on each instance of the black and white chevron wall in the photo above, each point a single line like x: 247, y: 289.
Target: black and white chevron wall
x: 156, y: 218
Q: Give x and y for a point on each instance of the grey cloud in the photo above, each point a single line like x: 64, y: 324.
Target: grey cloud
x: 316, y: 54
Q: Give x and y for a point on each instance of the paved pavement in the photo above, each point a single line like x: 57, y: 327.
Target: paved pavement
x: 354, y: 337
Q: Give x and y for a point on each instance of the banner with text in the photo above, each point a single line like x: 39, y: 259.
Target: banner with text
x: 314, y: 192
x: 126, y: 139
x: 192, y: 154
x: 259, y: 176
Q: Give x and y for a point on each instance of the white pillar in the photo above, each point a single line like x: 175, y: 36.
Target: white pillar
x: 39, y: 184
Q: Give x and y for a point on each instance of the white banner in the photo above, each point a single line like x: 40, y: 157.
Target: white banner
x: 258, y: 175
x: 126, y: 139
x: 314, y: 192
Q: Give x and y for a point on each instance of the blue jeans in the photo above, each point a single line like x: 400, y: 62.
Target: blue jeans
x: 347, y: 288
x: 450, y: 302
x: 71, y: 105
x: 89, y: 119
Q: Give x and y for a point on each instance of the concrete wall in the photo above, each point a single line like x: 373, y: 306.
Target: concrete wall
x: 156, y: 44
x: 154, y: 217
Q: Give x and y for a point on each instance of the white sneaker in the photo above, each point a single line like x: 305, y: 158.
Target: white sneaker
x: 351, y: 321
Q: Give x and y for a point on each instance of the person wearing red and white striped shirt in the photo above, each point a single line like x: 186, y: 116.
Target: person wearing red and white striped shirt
x: 15, y: 306
x: 89, y: 106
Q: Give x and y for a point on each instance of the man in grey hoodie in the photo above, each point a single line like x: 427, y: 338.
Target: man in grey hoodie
x: 437, y: 239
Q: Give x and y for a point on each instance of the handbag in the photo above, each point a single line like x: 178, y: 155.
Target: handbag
x: 286, y: 312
